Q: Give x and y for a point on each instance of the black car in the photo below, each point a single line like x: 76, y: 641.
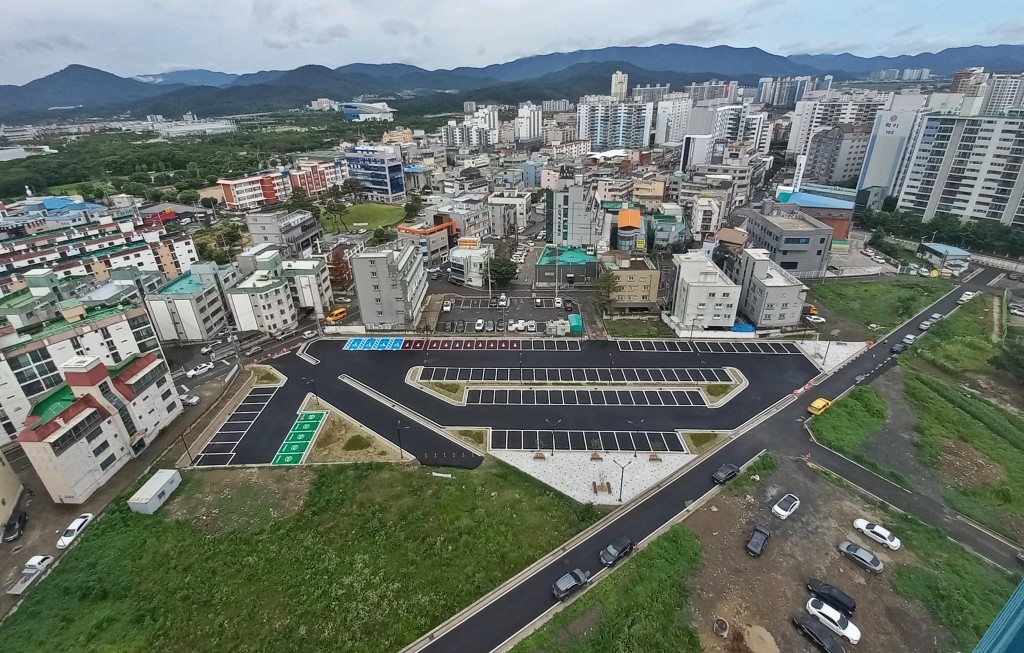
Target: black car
x: 449, y: 326
x: 569, y: 584
x: 832, y: 595
x: 15, y: 526
x: 501, y: 325
x: 898, y: 348
x: 618, y: 549
x: 816, y: 631
x: 493, y: 303
x: 758, y: 540
x: 1014, y: 277
x: 567, y: 304
x: 460, y: 326
x: 725, y: 473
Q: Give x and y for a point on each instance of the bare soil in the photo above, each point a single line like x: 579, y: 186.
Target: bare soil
x: 343, y: 441
x: 759, y: 596
x: 966, y: 465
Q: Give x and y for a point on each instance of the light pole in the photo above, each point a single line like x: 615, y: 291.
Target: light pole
x: 636, y: 424
x: 551, y: 424
x: 398, y: 432
x: 188, y: 453
x: 312, y: 383
x: 622, y: 475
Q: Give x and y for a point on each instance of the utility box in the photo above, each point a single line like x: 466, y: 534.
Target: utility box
x: 155, y: 492
x: 575, y: 324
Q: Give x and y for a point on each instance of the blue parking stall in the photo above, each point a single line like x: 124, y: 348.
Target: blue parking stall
x: 396, y: 343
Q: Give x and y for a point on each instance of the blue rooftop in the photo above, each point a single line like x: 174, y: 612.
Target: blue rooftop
x: 184, y: 284
x: 946, y: 250
x: 813, y: 201
x: 416, y: 169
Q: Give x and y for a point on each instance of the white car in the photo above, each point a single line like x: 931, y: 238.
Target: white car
x: 479, y: 326
x: 833, y: 620
x: 786, y: 506
x: 310, y: 333
x: 521, y: 325
x: 434, y: 269
x: 210, y: 347
x: 878, y: 259
x: 503, y: 301
x: 446, y: 306
x: 531, y: 327
x: 201, y: 368
x: 74, y: 530
x: 909, y: 339
x: 878, y: 533
x: 966, y: 297
x: 558, y: 302
x: 189, y: 400
x: 815, y: 319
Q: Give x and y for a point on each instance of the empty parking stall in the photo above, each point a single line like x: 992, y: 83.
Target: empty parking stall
x: 658, y: 375
x: 221, y: 447
x: 709, y: 347
x: 568, y: 397
x: 632, y: 441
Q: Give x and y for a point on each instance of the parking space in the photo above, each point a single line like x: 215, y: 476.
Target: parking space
x: 709, y: 346
x: 571, y: 397
x: 300, y: 437
x: 637, y: 441
x: 220, y: 450
x: 519, y: 344
x: 471, y: 309
x: 654, y: 375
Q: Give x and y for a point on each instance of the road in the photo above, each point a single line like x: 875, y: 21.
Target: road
x: 502, y: 619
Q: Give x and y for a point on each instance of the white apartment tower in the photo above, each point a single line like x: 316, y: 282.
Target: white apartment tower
x: 529, y: 122
x: 824, y: 109
x: 620, y: 85
x: 609, y: 123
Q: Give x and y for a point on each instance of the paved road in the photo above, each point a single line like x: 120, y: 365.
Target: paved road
x: 784, y: 432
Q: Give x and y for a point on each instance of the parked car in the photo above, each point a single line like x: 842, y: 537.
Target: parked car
x: 201, y: 368
x: 489, y: 326
x: 1013, y: 277
x: 817, y: 633
x: 569, y: 584
x: 520, y: 326
x: 492, y: 303
x: 898, y: 348
x: 460, y: 326
x: 310, y: 333
x: 74, y: 529
x: 252, y: 351
x: 758, y: 540
x: 434, y: 269
x: 190, y: 400
x: 538, y: 302
x: 786, y: 506
x: 1019, y: 312
x: 861, y: 556
x: 209, y: 347
x: 832, y: 595
x: 924, y: 326
x: 284, y: 335
x: 833, y: 620
x: 725, y: 473
x: 446, y: 306
x: 966, y: 297
x: 878, y: 533
x: 502, y: 300
x: 531, y: 326
x: 15, y: 526
x: 558, y: 302
x: 620, y: 547
x: 500, y: 326
x: 909, y: 339
x: 935, y: 317
x: 567, y: 303
x: 819, y: 406
x: 449, y: 326
x: 479, y: 326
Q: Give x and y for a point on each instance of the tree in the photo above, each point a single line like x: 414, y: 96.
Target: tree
x: 300, y: 201
x: 208, y: 202
x: 353, y: 189
x: 232, y: 236
x: 605, y: 289
x: 412, y: 207
x: 188, y: 196
x: 1011, y: 358
x: 502, y: 270
x: 334, y: 212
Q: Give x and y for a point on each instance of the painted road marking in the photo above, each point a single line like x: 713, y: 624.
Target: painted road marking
x: 640, y: 441
x: 300, y: 437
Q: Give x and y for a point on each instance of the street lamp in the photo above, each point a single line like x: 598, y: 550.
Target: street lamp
x: 398, y: 432
x: 636, y: 424
x: 551, y: 424
x: 622, y: 475
x: 312, y: 383
x: 188, y: 454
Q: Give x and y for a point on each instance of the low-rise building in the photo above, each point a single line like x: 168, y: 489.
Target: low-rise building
x: 379, y: 170
x: 470, y: 214
x: 704, y: 297
x: 391, y: 285
x: 470, y: 263
x: 192, y: 307
x: 796, y: 241
x: 520, y: 201
x: 10, y: 489
x: 638, y: 281
x: 296, y: 231
x: 264, y: 188
x: 269, y: 299
x: 79, y: 435
x: 770, y: 297
x: 433, y: 240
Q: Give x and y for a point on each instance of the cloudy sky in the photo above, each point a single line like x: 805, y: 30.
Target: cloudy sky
x: 132, y: 37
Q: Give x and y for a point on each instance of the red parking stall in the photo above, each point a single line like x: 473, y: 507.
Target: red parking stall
x: 447, y: 344
x: 436, y: 344
x: 503, y: 344
x: 492, y: 344
x: 516, y: 344
x: 418, y: 344
x: 407, y: 345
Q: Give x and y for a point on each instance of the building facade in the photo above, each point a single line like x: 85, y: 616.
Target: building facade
x: 433, y: 240
x: 824, y: 109
x: 379, y: 170
x: 610, y: 123
x: 391, y: 285
x: 470, y: 263
x: 298, y: 232
x: 797, y: 242
x: 837, y: 154
x: 770, y: 297
x: 192, y: 307
x: 254, y: 191
x: 638, y: 281
x: 270, y: 298
x: 703, y: 296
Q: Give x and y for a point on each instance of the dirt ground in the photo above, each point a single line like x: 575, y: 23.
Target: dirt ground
x: 760, y: 596
x: 343, y: 441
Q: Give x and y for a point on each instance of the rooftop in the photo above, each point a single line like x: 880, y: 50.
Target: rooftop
x: 59, y: 326
x: 183, y: 285
x: 946, y: 250
x: 566, y: 256
x: 813, y: 201
x: 612, y: 260
x: 54, y: 404
x: 17, y: 300
x: 794, y: 222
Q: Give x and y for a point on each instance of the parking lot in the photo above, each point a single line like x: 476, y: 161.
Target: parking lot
x: 471, y: 309
x: 637, y: 441
x: 221, y: 448
x: 657, y: 375
x: 710, y: 346
x: 585, y: 397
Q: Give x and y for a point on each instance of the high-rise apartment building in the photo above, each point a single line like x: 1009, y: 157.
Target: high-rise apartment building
x: 609, y: 123
x: 837, y: 154
x: 391, y: 284
x: 620, y: 85
x: 529, y: 121
x: 1003, y: 92
x: 824, y: 109
x: 672, y: 117
x: 650, y: 93
x: 557, y: 106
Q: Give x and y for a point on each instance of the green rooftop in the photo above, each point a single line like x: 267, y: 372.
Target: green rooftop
x: 183, y: 285
x: 59, y: 326
x: 53, y: 405
x: 615, y: 206
x: 17, y: 300
x: 566, y: 256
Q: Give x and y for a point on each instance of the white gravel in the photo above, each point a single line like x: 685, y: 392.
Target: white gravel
x: 828, y: 355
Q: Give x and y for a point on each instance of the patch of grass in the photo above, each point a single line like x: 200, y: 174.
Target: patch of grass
x: 716, y: 391
x: 365, y: 565
x: 374, y: 215
x: 641, y: 606
x: 886, y: 303
x: 962, y: 342
x: 959, y: 590
x: 744, y: 483
x: 454, y: 391
x: 700, y: 441
x: 357, y: 443
x: 476, y: 436
x: 267, y: 376
x: 850, y: 420
x: 648, y: 327
x: 944, y: 411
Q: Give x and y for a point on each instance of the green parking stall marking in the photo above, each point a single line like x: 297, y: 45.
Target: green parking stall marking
x: 293, y: 447
x: 287, y: 459
x: 299, y: 436
x: 310, y: 417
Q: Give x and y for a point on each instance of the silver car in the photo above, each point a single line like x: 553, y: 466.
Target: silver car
x: 863, y: 557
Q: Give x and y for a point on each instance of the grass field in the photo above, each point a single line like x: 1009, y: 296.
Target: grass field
x: 886, y: 303
x: 650, y: 327
x: 962, y: 342
x: 374, y: 215
x: 641, y: 606
x: 374, y: 557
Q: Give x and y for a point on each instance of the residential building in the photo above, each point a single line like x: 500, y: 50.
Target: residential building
x: 78, y: 436
x: 966, y: 165
x: 703, y: 296
x: 315, y: 175
x: 557, y: 106
x: 638, y: 281
x: 379, y: 170
x: 739, y: 163
x: 837, y: 154
x: 529, y: 120
x: 271, y: 296
x: 797, y: 242
x: 620, y: 85
x: 253, y: 191
x: 363, y: 112
x: 567, y: 150
x: 667, y: 229
x: 470, y: 263
x: 823, y: 109
x: 398, y: 135
x: 770, y: 297
x: 610, y: 123
x: 531, y: 173
x: 574, y: 222
x: 192, y: 307
x: 672, y: 114
x: 1003, y: 92
x: 433, y: 240
x: 47, y: 326
x: 339, y: 262
x: 469, y: 106
x: 631, y: 231
x: 706, y: 215
x: 10, y: 488
x: 323, y: 104
x: 713, y: 90
x: 650, y: 93
x: 964, y: 81
x: 469, y: 212
x: 391, y: 284
x: 310, y: 285
x: 521, y: 205
x: 298, y: 232
x: 649, y: 192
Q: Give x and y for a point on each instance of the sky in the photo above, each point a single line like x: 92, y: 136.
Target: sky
x: 135, y: 37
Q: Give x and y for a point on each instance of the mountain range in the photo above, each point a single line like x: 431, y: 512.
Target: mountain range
x: 92, y: 92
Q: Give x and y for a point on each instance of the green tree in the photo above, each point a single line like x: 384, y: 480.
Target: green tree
x: 232, y: 236
x: 208, y: 202
x: 502, y: 270
x: 353, y: 189
x: 140, y: 178
x: 413, y: 207
x: 605, y: 288
x: 1011, y: 358
x: 188, y: 196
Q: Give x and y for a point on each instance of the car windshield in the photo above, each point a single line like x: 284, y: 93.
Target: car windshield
x: 612, y: 549
x: 787, y: 502
x: 70, y: 532
x: 565, y: 582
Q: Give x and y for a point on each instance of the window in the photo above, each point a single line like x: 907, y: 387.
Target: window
x: 171, y: 406
x: 373, y: 273
x: 819, y: 252
x: 166, y: 395
x: 101, y: 448
x: 108, y: 462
